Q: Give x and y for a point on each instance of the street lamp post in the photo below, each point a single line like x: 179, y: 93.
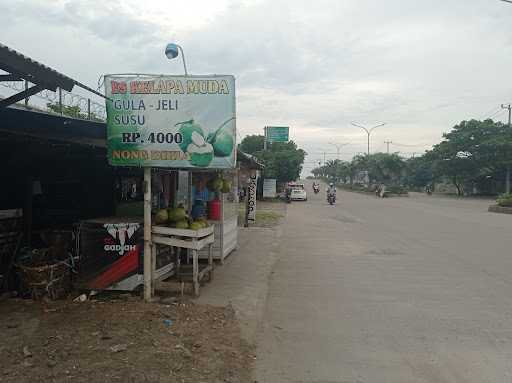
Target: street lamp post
x: 368, y: 132
x: 338, y: 147
x: 172, y: 50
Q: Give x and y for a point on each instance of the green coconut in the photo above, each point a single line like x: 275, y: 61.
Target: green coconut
x: 177, y: 214
x: 226, y: 186
x: 186, y: 129
x: 183, y: 224
x: 161, y: 216
x: 202, y: 221
x: 217, y: 184
x: 223, y: 144
x: 196, y: 226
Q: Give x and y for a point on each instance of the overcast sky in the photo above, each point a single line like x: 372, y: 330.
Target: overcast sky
x: 419, y: 66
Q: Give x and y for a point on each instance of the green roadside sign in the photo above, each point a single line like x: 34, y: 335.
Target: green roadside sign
x: 277, y: 133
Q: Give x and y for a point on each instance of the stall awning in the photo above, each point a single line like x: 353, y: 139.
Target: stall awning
x: 249, y: 160
x: 21, y: 122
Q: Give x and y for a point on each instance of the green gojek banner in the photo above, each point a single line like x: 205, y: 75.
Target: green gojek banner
x: 171, y: 121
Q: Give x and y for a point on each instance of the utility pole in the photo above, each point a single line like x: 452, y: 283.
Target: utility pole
x: 507, y: 176
x: 338, y: 147
x: 387, y: 143
x: 368, y: 132
x: 324, y: 158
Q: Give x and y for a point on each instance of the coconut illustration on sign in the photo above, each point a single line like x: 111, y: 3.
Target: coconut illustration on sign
x: 200, y: 151
x: 186, y: 129
x: 219, y: 143
x: 222, y: 140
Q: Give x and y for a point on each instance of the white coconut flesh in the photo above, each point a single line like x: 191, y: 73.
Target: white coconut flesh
x: 197, y: 139
x: 203, y: 149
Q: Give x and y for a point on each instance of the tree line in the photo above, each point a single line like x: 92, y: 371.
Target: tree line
x: 474, y: 157
x: 283, y: 160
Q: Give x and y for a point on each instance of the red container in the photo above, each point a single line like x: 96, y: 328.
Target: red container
x: 214, y: 210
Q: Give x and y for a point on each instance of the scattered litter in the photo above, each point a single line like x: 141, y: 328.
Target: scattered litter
x: 80, y: 298
x: 26, y: 352
x: 119, y: 348
x: 186, y: 352
x: 168, y: 300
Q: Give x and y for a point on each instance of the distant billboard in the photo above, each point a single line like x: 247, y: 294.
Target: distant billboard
x: 277, y: 133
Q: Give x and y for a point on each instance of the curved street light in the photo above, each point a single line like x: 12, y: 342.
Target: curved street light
x: 172, y: 50
x: 368, y: 131
x: 338, y: 147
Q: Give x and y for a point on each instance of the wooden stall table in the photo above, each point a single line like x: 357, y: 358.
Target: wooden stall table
x: 194, y: 240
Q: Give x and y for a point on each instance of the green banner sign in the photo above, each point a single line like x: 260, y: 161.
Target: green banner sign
x: 171, y: 121
x: 277, y: 133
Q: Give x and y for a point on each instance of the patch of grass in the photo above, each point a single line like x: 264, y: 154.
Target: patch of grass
x: 505, y: 200
x: 264, y: 217
x: 267, y: 217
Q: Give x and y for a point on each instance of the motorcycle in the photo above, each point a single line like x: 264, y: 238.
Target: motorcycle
x: 331, y: 198
x: 316, y: 189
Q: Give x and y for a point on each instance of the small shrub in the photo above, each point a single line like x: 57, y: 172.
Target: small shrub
x: 505, y: 200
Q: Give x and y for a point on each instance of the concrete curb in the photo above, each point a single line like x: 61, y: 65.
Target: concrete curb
x: 390, y: 195
x: 500, y: 209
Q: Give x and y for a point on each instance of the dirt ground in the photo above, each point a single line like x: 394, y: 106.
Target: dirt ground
x: 120, y: 339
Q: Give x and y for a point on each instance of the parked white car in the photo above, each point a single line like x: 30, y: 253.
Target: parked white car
x: 299, y: 193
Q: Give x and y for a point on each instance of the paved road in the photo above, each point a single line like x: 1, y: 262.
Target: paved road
x: 394, y: 290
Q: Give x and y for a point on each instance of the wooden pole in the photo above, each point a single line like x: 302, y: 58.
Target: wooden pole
x: 28, y: 213
x: 148, y: 264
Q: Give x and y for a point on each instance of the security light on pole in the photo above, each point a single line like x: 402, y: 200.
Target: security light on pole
x: 172, y: 50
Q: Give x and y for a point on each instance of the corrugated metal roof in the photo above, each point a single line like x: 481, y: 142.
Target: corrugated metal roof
x: 250, y: 159
x: 24, y: 67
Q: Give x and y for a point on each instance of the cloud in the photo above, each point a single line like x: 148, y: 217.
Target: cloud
x: 420, y: 66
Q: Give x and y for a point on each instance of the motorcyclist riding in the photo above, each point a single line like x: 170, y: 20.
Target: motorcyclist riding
x: 331, y: 193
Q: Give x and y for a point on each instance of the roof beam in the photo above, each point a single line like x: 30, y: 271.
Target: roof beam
x: 20, y: 96
x: 9, y: 77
